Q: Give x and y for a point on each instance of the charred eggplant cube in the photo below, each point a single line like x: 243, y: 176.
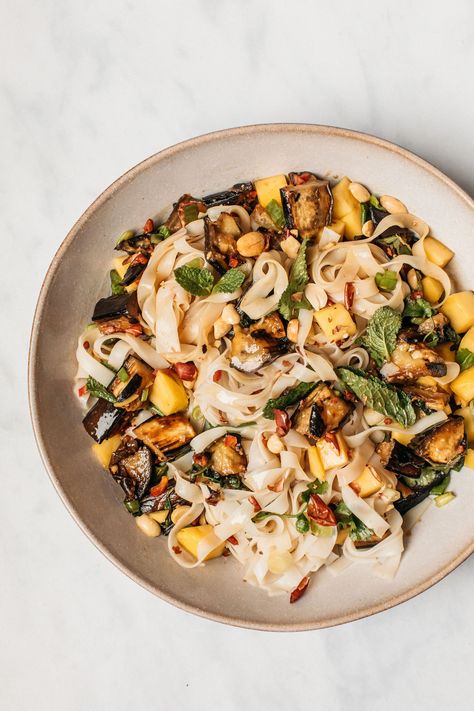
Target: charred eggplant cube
x: 257, y: 346
x: 165, y: 434
x: 322, y: 411
x: 116, y: 306
x: 133, y: 378
x: 442, y: 444
x: 400, y: 459
x: 104, y: 420
x: 307, y: 207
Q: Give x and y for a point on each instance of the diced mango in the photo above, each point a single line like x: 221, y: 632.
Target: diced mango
x: 352, y: 223
x: 343, y: 200
x: 332, y: 456
x: 402, y: 437
x: 465, y: 412
x: 432, y: 289
x: 168, y: 393
x: 444, y: 350
x: 190, y: 537
x: 469, y: 459
x: 467, y: 341
x: 367, y: 483
x: 463, y: 385
x: 459, y: 308
x: 336, y: 322
x: 268, y: 189
x: 315, y: 464
x: 437, y: 252
x: 105, y: 449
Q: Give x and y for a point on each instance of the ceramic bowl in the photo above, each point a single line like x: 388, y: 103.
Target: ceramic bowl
x: 75, y: 280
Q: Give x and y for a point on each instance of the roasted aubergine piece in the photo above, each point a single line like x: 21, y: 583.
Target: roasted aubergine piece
x: 400, y: 459
x: 116, y: 306
x: 409, y: 500
x: 105, y: 420
x: 227, y: 456
x: 128, y: 391
x: 243, y: 194
x: 259, y: 344
x: 220, y: 242
x: 443, y: 444
x: 138, y: 243
x: 134, y: 472
x: 163, y: 435
x: 320, y: 412
x: 414, y: 360
x: 307, y: 207
x: 186, y: 210
x: 427, y: 399
x: 394, y: 240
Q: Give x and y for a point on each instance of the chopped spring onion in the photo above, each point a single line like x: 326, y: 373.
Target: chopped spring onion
x: 128, y: 234
x: 144, y: 395
x: 444, y: 499
x: 132, y: 506
x: 190, y: 212
x: 387, y: 281
x: 122, y: 375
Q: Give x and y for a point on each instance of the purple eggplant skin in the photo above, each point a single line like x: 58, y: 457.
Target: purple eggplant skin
x: 408, y: 502
x: 115, y: 306
x: 104, y: 420
x: 139, y: 468
x: 307, y: 207
x: 239, y: 194
x: 133, y: 273
x: 400, y: 459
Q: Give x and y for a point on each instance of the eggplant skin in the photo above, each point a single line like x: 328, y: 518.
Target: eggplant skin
x: 163, y: 435
x: 219, y: 246
x: 427, y: 398
x: 408, y: 502
x: 138, y: 467
x: 443, y: 444
x: 116, y: 306
x: 307, y: 207
x: 104, y: 420
x: 400, y: 459
x: 228, y: 460
x: 415, y: 360
x: 258, y: 345
x: 320, y: 412
x: 140, y: 377
x: 243, y: 194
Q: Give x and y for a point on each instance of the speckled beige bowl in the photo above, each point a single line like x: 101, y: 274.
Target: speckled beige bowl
x: 76, y: 279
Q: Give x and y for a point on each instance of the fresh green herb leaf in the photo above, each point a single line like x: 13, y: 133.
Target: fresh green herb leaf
x: 286, y: 399
x: 198, y: 282
x: 430, y: 476
x: 297, y: 282
x: 376, y: 394
x: 374, y: 201
x: 417, y: 310
x: 115, y: 284
x: 128, y: 234
x: 98, y: 390
x: 450, y: 336
x: 441, y: 488
x: 465, y: 358
x: 302, y: 524
x: 364, y: 212
x: 162, y: 233
x: 231, y: 281
x: 314, y: 487
x: 123, y: 375
x: 358, y: 531
x: 380, y: 336
x: 275, y: 211
x: 386, y: 281
x: 397, y: 243
x: 190, y: 212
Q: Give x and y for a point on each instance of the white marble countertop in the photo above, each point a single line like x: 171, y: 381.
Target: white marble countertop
x: 86, y: 91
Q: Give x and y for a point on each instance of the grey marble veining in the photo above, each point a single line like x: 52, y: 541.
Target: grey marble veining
x: 87, y: 90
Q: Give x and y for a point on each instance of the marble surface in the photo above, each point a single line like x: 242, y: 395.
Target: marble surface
x: 87, y: 90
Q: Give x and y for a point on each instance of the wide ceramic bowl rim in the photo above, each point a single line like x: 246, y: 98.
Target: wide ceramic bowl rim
x: 106, y: 195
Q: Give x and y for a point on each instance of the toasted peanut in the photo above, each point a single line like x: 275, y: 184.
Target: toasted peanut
x: 221, y: 328
x: 292, y: 330
x: 230, y: 314
x: 392, y: 204
x: 412, y: 279
x: 368, y: 228
x: 148, y: 526
x: 159, y: 516
x: 274, y: 444
x: 360, y: 192
x: 178, y: 512
x: 290, y: 246
x: 251, y: 244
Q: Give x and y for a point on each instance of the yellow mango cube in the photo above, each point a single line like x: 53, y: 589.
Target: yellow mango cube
x: 335, y: 322
x: 402, y: 437
x: 465, y: 412
x: 105, y: 449
x: 444, y: 350
x: 367, y: 483
x: 168, y: 393
x: 190, y: 537
x: 437, y: 252
x: 467, y: 341
x: 330, y: 455
x: 315, y: 464
x: 268, y: 189
x: 343, y: 200
x: 459, y: 308
x: 463, y: 385
x: 352, y: 223
x: 469, y: 459
x: 432, y: 289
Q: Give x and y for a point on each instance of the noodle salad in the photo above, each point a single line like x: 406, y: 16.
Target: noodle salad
x: 282, y: 374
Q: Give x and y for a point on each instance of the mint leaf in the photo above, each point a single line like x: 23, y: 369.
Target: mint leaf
x: 314, y: 487
x: 98, y: 390
x: 198, y: 282
x: 465, y: 358
x: 296, y: 283
x: 115, y: 284
x: 417, y: 310
x: 275, y: 211
x: 291, y: 397
x: 231, y: 281
x: 358, y: 531
x: 380, y: 336
x: 379, y: 396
